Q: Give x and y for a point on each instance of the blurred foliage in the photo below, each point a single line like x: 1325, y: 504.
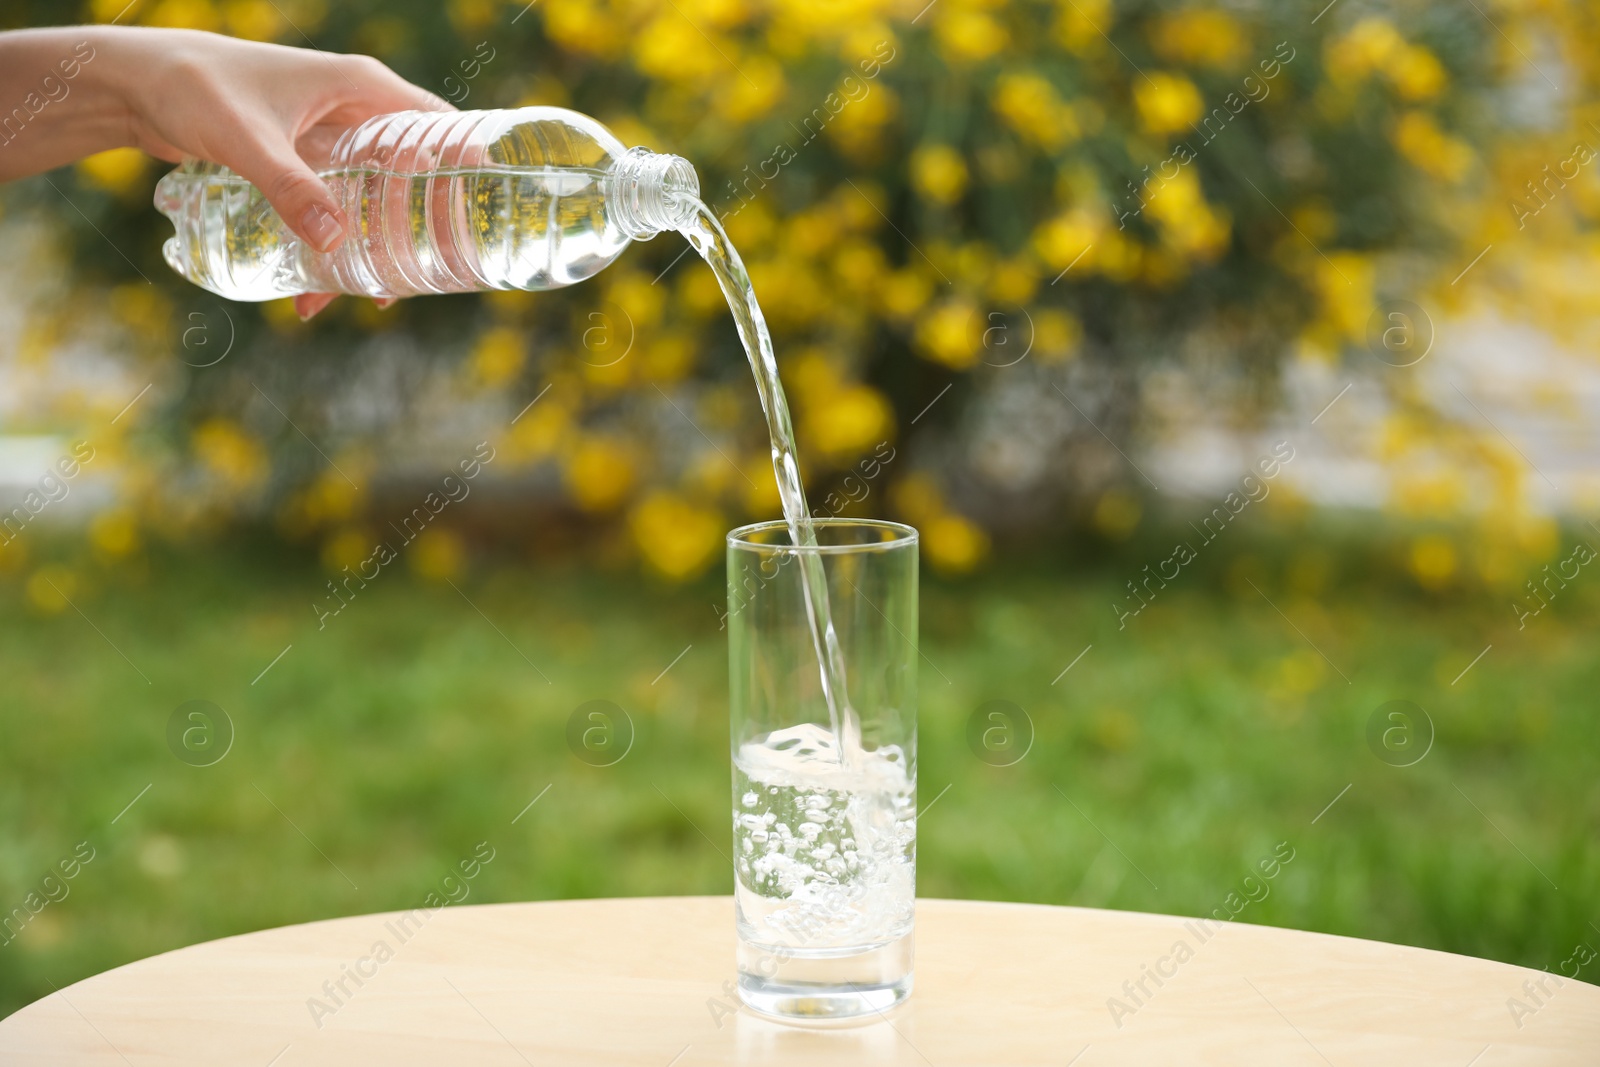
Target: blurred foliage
x: 1132, y: 185
x: 410, y: 729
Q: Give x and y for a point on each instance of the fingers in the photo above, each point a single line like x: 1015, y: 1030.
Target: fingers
x: 293, y: 189
x: 308, y: 304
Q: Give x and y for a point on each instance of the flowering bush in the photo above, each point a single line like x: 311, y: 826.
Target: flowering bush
x: 975, y: 227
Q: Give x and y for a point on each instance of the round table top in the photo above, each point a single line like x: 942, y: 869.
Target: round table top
x: 649, y: 982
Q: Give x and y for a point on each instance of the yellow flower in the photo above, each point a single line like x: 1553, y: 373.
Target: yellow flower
x: 146, y: 310
x: 967, y: 36
x: 1116, y: 514
x: 947, y: 335
x: 12, y: 556
x: 939, y: 173
x: 1029, y: 104
x: 346, y: 548
x: 904, y: 292
x: 849, y: 422
x: 916, y: 498
x: 812, y: 232
x: 599, y: 472
x: 230, y: 453
x: 106, y: 10
x: 1117, y: 257
x: 856, y: 203
x: 810, y: 376
x: 1371, y: 44
x: 863, y: 41
x: 761, y: 499
x: 471, y: 16
x: 1200, y: 36
x: 1343, y: 282
x: 1068, y: 239
x: 1432, y: 561
x: 699, y: 294
x: 330, y: 497
x: 1056, y: 335
x: 672, y: 49
x: 677, y: 538
x: 254, y: 20
x: 540, y: 431
x: 508, y: 305
x: 116, y: 170
x: 1167, y: 103
x: 50, y: 588
x: 859, y: 130
x: 669, y: 357
x: 953, y: 544
x: 1316, y: 220
x: 114, y: 533
x: 1013, y: 281
x: 437, y: 555
x: 791, y: 295
x: 381, y: 35
x: 719, y: 13
x: 1188, y: 224
x: 584, y: 27
x: 497, y: 357
x: 1416, y: 74
x: 1430, y: 149
x: 751, y: 94
x: 184, y: 14
x: 1296, y: 674
x: 642, y: 301
x: 1428, y: 493
x: 751, y: 226
x: 281, y: 316
x: 709, y: 474
x: 859, y: 266
x: 1081, y: 25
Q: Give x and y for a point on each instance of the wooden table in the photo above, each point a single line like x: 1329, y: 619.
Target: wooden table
x: 647, y: 982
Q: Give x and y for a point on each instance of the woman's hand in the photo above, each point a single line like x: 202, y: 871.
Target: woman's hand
x: 262, y: 110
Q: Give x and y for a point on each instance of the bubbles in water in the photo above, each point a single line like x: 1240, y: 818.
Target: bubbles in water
x: 831, y: 846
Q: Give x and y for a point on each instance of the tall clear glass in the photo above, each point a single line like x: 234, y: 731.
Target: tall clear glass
x: 824, y: 826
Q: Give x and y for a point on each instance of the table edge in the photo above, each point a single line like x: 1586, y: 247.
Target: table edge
x: 959, y: 904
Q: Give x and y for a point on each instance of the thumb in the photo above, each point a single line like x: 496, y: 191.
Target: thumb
x: 301, y: 198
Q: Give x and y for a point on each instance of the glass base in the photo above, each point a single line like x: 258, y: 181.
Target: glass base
x: 798, y: 985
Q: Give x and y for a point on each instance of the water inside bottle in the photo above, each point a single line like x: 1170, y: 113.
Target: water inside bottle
x: 411, y: 234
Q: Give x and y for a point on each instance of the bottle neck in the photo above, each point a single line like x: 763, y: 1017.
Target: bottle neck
x: 648, y: 192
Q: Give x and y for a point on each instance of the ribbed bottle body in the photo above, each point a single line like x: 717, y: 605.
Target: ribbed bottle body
x: 437, y: 202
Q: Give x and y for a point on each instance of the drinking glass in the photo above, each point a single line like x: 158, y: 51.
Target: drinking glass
x: 824, y: 811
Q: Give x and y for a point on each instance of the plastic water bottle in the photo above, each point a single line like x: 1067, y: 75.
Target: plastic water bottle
x: 437, y: 202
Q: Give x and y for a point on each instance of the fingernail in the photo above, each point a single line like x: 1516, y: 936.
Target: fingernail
x: 320, y: 225
x: 384, y: 301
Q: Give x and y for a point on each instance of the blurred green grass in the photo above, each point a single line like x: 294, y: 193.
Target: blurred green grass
x: 1172, y: 757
